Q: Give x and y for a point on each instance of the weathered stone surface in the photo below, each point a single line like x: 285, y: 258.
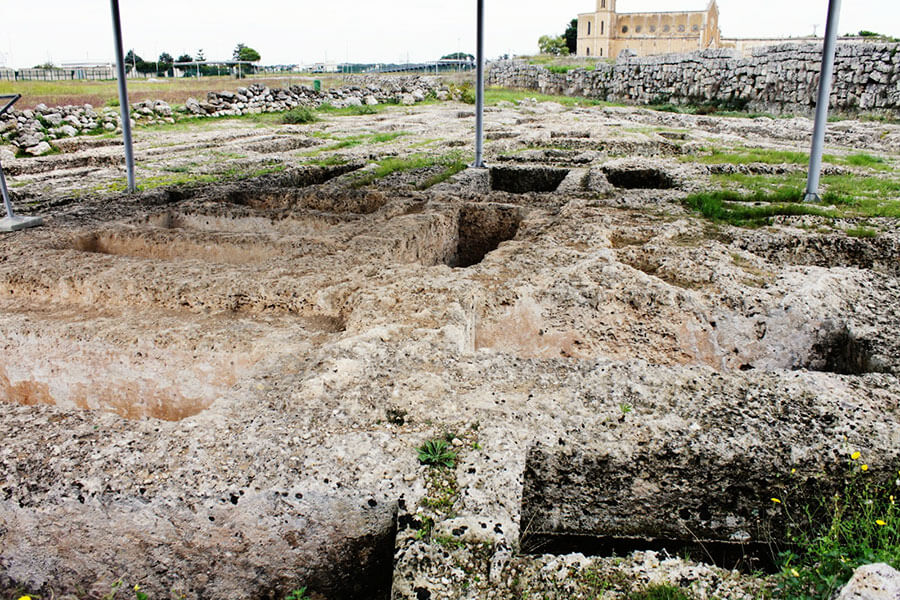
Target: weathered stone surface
x: 256, y: 545
x: 303, y: 332
x: 872, y: 582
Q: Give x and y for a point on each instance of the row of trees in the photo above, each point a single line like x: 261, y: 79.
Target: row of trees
x: 164, y: 65
x: 560, y: 45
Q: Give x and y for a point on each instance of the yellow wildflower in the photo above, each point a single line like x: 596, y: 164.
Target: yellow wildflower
x: 795, y: 573
x: 892, y: 499
x: 864, y: 467
x: 24, y: 597
x: 793, y: 471
x: 880, y: 523
x: 137, y: 587
x: 776, y: 500
x: 855, y: 455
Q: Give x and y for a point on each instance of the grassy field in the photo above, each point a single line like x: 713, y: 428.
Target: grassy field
x: 173, y: 91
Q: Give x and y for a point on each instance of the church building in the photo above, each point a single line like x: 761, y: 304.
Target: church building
x: 606, y: 33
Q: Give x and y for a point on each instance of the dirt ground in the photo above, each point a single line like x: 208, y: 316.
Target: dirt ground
x: 265, y: 321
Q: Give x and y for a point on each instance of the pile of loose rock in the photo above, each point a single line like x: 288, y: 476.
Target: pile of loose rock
x: 32, y: 131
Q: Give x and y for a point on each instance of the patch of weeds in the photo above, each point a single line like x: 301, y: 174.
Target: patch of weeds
x: 380, y: 138
x: 659, y: 592
x: 493, y: 95
x: 851, y: 195
x: 832, y: 536
x: 329, y: 161
x: 437, y: 453
x: 298, y: 115
x: 453, y: 163
x: 448, y: 541
x: 861, y: 231
x: 363, y: 109
x: 189, y: 179
x: 862, y: 159
x: 298, y: 594
x: 424, y: 532
x: 751, y: 210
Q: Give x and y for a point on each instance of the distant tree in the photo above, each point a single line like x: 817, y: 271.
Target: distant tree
x: 458, y: 56
x: 165, y: 59
x: 553, y: 45
x: 200, y: 55
x: 46, y: 65
x: 246, y: 53
x: 185, y: 58
x: 132, y: 59
x: 571, y: 36
x: 866, y: 33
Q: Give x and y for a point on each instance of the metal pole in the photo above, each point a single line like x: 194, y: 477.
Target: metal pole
x: 479, y: 91
x: 123, y: 95
x: 825, y: 79
x: 6, y: 203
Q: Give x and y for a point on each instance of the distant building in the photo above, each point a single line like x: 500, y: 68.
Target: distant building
x: 606, y: 33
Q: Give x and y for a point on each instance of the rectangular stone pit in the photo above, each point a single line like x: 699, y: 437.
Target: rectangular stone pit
x: 715, y: 509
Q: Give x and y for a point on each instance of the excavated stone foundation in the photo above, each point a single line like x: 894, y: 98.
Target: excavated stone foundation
x: 219, y: 391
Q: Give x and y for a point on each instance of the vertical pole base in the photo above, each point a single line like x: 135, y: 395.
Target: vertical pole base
x: 810, y: 197
x: 8, y: 224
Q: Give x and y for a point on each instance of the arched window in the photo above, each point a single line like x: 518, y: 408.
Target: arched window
x: 666, y: 28
x: 637, y: 29
x: 602, y: 3
x: 600, y: 53
x: 695, y: 28
x: 589, y: 28
x: 588, y: 51
x: 653, y: 29
x: 624, y: 28
x: 601, y: 27
x: 681, y: 29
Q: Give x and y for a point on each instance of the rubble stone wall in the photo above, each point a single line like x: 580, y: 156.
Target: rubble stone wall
x: 32, y: 131
x: 775, y: 79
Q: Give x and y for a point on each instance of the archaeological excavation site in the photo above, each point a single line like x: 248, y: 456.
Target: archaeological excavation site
x: 330, y: 360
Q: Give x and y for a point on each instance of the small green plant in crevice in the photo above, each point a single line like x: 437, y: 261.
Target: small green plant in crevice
x: 298, y: 115
x: 830, y: 537
x: 437, y: 453
x: 298, y: 594
x: 659, y: 592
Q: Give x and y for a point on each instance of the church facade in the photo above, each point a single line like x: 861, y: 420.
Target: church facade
x: 605, y: 33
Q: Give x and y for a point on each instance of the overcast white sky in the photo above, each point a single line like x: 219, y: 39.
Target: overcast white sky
x: 304, y: 31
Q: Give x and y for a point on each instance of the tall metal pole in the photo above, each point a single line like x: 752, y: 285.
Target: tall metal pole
x: 123, y: 95
x: 479, y: 91
x: 825, y: 79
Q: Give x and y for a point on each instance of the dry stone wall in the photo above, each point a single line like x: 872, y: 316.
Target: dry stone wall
x: 33, y: 131
x: 777, y: 79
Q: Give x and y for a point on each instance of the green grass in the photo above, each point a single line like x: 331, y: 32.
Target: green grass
x: 861, y: 231
x: 493, y: 95
x: 744, y: 155
x: 365, y: 109
x: 452, y: 164
x: 852, y: 195
x: 751, y: 209
x: 183, y: 178
x: 833, y: 535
